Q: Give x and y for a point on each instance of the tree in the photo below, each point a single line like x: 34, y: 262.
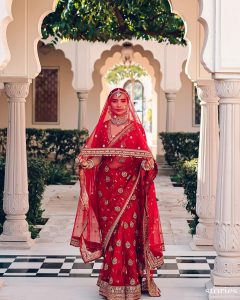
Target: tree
x: 103, y: 20
x: 120, y: 72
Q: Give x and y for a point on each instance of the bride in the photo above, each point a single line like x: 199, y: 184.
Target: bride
x: 117, y: 215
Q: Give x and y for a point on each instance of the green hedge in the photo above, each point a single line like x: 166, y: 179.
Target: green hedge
x: 179, y: 146
x: 59, y: 145
x: 181, y: 152
x: 187, y: 172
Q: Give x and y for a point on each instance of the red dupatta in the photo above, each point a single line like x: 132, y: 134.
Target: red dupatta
x: 86, y: 232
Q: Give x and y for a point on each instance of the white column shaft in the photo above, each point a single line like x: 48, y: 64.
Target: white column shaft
x: 15, y: 201
x: 207, y: 164
x: 227, y: 221
x: 170, y: 121
x: 82, y: 109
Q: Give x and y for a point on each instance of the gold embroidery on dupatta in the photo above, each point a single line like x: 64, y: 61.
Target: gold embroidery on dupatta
x: 125, y: 152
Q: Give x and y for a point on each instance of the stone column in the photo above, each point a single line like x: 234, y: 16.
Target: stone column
x: 207, y: 164
x: 170, y: 122
x: 15, y: 200
x: 82, y: 109
x: 227, y: 221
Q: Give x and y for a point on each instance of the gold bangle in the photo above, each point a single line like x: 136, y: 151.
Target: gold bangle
x: 77, y: 161
x: 90, y: 164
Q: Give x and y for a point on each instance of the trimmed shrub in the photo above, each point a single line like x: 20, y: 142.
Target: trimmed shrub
x: 179, y: 146
x: 2, y: 170
x: 58, y: 174
x: 187, y: 172
x: 37, y: 176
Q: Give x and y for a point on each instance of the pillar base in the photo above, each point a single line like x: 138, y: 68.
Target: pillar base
x: 15, y: 242
x: 222, y: 292
x: 199, y: 241
x: 195, y: 247
x: 225, y: 281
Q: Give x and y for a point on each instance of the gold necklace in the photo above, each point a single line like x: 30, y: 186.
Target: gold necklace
x: 119, y: 120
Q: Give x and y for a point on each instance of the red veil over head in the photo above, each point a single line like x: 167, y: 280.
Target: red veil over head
x: 86, y: 232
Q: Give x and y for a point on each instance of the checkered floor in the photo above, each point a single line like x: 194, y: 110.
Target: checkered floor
x: 73, y: 266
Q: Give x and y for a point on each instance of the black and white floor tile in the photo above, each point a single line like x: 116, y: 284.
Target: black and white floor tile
x: 73, y: 266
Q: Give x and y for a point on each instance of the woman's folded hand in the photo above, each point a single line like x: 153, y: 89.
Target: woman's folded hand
x: 148, y: 164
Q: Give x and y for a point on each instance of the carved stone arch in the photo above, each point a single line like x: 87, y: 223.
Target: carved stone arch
x: 194, y: 35
x: 111, y: 57
x: 25, y: 32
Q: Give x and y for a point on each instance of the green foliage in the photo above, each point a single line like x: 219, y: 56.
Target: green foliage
x: 179, y: 146
x: 103, y: 20
x: 3, y: 141
x: 187, y: 172
x: 37, y: 175
x: 120, y: 72
x: 58, y: 174
x: 2, y: 170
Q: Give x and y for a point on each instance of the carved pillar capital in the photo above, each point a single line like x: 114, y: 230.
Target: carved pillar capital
x: 228, y: 89
x: 16, y: 91
x: 207, y: 92
x: 82, y: 95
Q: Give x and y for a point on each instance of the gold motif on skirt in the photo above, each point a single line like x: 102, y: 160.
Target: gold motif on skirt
x: 120, y: 190
x: 104, y: 218
x: 125, y: 225
x: 110, y: 248
x: 133, y: 197
x: 130, y: 262
x: 106, y: 202
x: 118, y: 243
x: 106, y: 267
x: 135, y: 215
x: 134, y: 243
x: 132, y: 281
x: 124, y: 174
x: 131, y: 224
x: 110, y: 280
x: 107, y: 179
x: 127, y: 245
x: 106, y: 169
x: 114, y: 261
x: 100, y: 194
x: 117, y: 208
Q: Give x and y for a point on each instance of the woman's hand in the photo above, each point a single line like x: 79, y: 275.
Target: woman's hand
x: 148, y: 164
x: 84, y: 164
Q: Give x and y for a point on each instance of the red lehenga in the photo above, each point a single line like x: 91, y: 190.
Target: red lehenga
x: 121, y: 222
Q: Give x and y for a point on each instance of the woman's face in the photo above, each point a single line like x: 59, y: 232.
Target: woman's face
x: 119, y: 104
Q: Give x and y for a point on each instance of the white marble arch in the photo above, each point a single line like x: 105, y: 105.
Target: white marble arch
x: 23, y: 35
x: 5, y: 19
x: 25, y: 32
